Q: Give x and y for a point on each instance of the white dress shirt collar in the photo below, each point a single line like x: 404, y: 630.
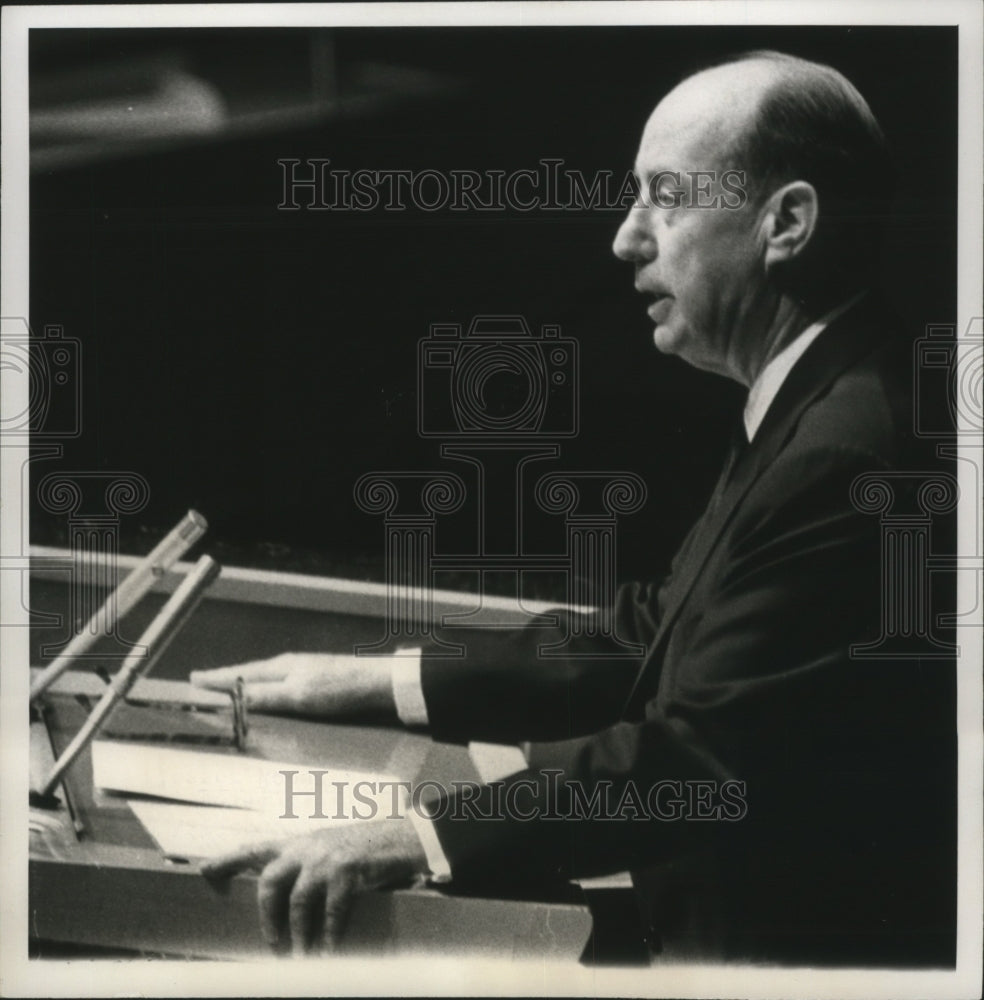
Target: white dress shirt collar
x: 770, y: 379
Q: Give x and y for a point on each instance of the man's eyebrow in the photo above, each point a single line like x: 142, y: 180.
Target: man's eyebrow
x: 658, y: 171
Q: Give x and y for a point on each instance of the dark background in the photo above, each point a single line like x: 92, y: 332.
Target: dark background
x: 253, y: 363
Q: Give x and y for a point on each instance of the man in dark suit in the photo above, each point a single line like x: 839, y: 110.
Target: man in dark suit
x: 776, y: 798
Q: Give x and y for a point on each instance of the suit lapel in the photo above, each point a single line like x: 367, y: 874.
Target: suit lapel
x: 846, y: 340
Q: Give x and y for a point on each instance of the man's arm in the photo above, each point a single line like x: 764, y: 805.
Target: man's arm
x: 503, y: 690
x: 514, y: 686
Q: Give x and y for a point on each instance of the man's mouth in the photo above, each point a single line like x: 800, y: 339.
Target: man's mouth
x: 658, y: 308
x: 650, y: 292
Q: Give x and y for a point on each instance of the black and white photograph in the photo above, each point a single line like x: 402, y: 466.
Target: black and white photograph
x: 492, y: 499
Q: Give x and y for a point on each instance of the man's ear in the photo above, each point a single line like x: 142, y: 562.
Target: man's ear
x: 790, y: 221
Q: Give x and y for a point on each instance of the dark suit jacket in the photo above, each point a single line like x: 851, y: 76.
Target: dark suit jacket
x: 845, y: 852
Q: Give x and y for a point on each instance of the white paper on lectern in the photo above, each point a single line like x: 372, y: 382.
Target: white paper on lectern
x: 217, y: 779
x: 195, y: 831
x: 205, y: 803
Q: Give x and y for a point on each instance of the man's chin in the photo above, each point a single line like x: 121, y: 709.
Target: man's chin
x: 681, y: 343
x: 668, y: 339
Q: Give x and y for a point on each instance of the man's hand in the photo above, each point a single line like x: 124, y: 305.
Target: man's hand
x: 323, y: 685
x: 308, y: 883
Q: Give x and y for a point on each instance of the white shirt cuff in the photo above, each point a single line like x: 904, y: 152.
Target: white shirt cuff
x: 408, y: 691
x: 440, y: 870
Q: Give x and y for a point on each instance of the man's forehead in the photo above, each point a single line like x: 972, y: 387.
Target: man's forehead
x: 702, y: 116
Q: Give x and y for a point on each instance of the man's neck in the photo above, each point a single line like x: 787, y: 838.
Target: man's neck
x: 784, y: 322
x: 777, y: 367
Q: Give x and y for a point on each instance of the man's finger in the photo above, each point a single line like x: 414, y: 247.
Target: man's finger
x: 339, y: 895
x: 224, y: 678
x: 275, y: 696
x: 250, y: 857
x: 273, y: 899
x: 307, y: 903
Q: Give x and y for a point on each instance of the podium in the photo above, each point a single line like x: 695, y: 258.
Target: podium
x: 112, y: 888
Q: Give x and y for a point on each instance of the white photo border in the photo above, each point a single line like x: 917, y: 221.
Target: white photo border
x: 430, y: 976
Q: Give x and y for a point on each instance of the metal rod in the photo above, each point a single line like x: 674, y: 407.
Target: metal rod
x: 139, y: 581
x: 155, y: 639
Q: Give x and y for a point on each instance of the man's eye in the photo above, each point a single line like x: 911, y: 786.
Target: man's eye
x: 668, y: 196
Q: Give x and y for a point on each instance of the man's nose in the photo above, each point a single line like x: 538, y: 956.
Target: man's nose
x: 632, y: 243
